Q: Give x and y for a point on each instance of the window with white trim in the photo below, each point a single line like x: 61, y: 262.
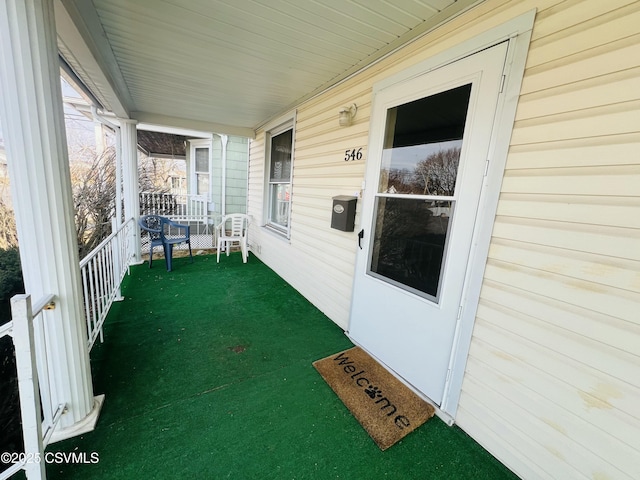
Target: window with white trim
x: 279, y: 177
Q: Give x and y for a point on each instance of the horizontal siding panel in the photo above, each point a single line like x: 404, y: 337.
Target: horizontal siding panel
x: 356, y: 134
x: 601, y: 60
x: 327, y: 166
x: 608, y: 404
x: 595, y: 210
x: 340, y: 278
x: 605, y: 271
x: 616, y: 181
x: 619, y: 87
x: 611, y: 331
x: 326, y: 181
x: 609, y: 120
x: 594, y: 451
x: 517, y: 431
x: 602, y: 29
x: 597, y: 297
x: 608, y: 150
x: 609, y: 362
x: 565, y: 15
x: 340, y: 254
x: 611, y: 241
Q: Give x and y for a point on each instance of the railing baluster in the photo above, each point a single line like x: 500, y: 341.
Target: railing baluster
x: 28, y: 387
x: 92, y: 294
x: 85, y: 292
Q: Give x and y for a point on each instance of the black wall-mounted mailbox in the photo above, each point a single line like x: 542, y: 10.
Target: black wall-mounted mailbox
x: 343, y: 215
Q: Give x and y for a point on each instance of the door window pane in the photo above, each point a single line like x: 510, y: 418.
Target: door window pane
x: 422, y: 144
x: 409, y: 242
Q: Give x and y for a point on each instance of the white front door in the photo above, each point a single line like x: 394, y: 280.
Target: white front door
x: 430, y: 140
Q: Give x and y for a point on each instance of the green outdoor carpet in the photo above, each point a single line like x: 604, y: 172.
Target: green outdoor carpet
x: 207, y: 374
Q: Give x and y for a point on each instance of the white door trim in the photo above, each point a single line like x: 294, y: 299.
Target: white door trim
x: 519, y: 40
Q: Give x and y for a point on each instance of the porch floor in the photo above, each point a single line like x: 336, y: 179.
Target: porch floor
x: 207, y: 374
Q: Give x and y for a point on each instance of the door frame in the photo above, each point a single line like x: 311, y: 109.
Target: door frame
x: 518, y: 33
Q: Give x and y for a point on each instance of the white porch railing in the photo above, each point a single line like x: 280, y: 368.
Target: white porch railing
x: 102, y: 272
x: 169, y: 204
x: 27, y: 331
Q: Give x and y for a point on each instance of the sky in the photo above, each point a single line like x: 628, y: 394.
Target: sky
x: 74, y: 120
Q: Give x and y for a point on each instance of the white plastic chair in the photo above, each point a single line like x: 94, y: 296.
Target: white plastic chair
x: 233, y: 228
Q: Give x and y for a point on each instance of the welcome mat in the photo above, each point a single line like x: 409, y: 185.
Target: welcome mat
x: 386, y: 408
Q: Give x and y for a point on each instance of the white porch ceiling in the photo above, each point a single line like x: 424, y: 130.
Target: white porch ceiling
x: 230, y: 65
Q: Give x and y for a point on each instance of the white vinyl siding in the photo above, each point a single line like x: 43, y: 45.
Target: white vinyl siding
x: 552, y: 384
x: 216, y: 173
x: 236, y: 175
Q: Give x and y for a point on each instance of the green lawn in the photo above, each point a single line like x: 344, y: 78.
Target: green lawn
x: 207, y: 374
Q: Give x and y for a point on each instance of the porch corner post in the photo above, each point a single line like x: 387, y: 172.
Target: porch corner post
x: 32, y: 119
x: 129, y: 136
x: 224, y: 139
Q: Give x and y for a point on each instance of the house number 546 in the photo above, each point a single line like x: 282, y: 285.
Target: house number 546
x: 353, y: 154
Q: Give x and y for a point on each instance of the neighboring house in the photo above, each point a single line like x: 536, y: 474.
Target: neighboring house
x: 193, y: 179
x: 206, y: 167
x: 509, y: 297
x: 217, y: 169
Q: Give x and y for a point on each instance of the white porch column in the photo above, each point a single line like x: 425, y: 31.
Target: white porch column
x: 129, y: 137
x: 33, y: 125
x: 224, y: 139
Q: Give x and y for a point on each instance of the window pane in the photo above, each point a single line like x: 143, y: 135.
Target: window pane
x: 203, y: 183
x: 422, y: 144
x: 281, y: 157
x: 202, y: 160
x: 280, y: 198
x: 409, y: 242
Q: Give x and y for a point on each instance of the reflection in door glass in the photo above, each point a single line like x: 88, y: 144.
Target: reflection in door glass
x: 422, y: 144
x: 409, y: 242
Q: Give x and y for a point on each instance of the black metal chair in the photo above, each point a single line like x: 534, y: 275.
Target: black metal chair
x: 166, y: 233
